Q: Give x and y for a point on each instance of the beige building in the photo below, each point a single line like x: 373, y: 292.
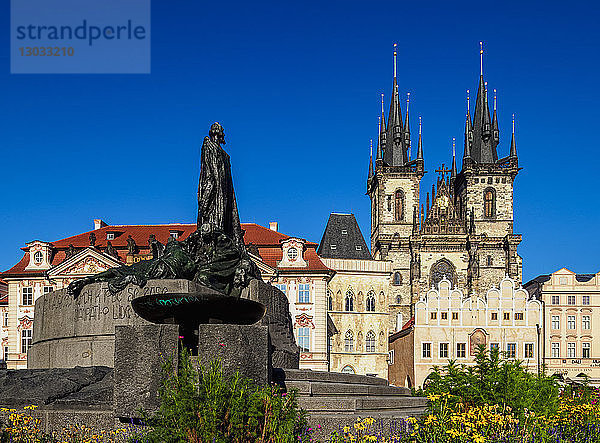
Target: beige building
x: 290, y: 263
x: 571, y: 320
x: 448, y: 325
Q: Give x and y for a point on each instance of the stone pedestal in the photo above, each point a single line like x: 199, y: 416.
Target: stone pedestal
x: 140, y: 351
x: 243, y: 348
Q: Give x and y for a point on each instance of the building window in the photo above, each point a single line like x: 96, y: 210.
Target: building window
x: 399, y: 205
x: 48, y: 289
x: 329, y: 302
x: 571, y: 322
x: 434, y: 315
x: 495, y: 346
x: 489, y: 203
x: 570, y: 299
x: 489, y: 260
x: 426, y: 350
x: 571, y: 350
x: 461, y: 350
x: 585, y: 322
x: 444, y: 316
x: 370, y: 341
x: 370, y: 302
x: 111, y: 236
x: 556, y: 299
x: 344, y: 232
x: 518, y: 316
x: 455, y: 316
x: 5, y: 353
x: 5, y: 319
x: 358, y: 247
x: 397, y: 278
x: 585, y: 350
x: 528, y: 350
x: 173, y: 234
x: 441, y: 269
x: 348, y: 370
x: 27, y: 296
x: 443, y: 350
x: 292, y: 254
x: 507, y: 316
x: 333, y: 247
x: 304, y: 293
x: 349, y: 301
x: 555, y: 350
x: 282, y: 287
x: 26, y: 339
x: 511, y: 350
x: 585, y: 300
x: 38, y: 257
x: 391, y: 357
x: 349, y: 342
x: 494, y: 316
x: 389, y: 202
x: 304, y: 339
x: 555, y: 322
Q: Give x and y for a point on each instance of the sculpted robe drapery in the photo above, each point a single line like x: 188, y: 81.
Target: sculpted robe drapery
x: 216, y: 198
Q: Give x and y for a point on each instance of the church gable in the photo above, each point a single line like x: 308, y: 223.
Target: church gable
x: 86, y: 262
x: 442, y: 217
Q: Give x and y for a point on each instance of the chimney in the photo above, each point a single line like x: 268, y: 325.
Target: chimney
x: 273, y: 226
x: 98, y: 223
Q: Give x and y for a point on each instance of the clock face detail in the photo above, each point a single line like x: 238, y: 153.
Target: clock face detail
x: 292, y: 254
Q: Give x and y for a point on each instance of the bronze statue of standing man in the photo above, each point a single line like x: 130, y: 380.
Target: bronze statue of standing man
x: 216, y: 197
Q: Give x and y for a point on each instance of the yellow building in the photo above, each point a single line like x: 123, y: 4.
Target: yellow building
x: 450, y: 326
x: 572, y: 314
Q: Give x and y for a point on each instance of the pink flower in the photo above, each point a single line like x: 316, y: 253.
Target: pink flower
x: 222, y: 345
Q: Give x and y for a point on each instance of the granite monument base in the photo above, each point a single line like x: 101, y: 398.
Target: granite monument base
x: 140, y: 354
x: 242, y: 348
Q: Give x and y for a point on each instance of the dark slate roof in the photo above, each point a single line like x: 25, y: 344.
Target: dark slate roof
x: 582, y: 278
x: 342, y: 239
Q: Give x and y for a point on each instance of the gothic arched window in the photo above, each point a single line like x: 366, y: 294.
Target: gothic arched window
x: 370, y: 341
x: 349, y: 341
x: 489, y: 203
x: 489, y: 260
x: 397, y: 278
x: 370, y: 302
x: 440, y: 269
x: 399, y: 205
x: 329, y: 301
x: 349, y: 301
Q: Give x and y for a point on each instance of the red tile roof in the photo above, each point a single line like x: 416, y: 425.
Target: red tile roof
x: 267, y: 241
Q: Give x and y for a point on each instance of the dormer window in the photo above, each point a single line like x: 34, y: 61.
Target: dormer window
x: 333, y: 247
x: 292, y: 254
x: 175, y: 234
x: 344, y: 232
x: 110, y: 236
x: 358, y: 247
x: 38, y: 258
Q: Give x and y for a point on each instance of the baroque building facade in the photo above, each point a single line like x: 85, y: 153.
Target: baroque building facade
x: 290, y: 263
x: 571, y: 316
x: 464, y: 229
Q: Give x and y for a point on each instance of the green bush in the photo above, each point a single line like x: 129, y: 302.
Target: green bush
x: 494, y: 380
x: 206, y: 406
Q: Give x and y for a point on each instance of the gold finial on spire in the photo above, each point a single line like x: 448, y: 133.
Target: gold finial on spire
x: 419, y: 125
x: 468, y: 101
x: 494, y: 99
x: 481, y: 58
x: 513, y: 121
x: 381, y: 104
x: 407, y: 101
x: 453, y: 146
x: 371, y: 147
x: 395, y: 53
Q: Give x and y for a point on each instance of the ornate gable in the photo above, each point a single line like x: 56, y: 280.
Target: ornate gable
x: 86, y: 262
x: 442, y: 217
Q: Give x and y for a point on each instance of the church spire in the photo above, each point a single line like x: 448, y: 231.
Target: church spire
x: 371, y: 161
x: 468, y: 130
x: 453, y: 170
x: 513, y: 143
x: 483, y: 148
x: 420, y: 144
x: 495, y: 131
x: 407, y: 125
x: 382, y: 135
x: 395, y: 154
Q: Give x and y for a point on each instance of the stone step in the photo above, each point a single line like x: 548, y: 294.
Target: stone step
x: 330, y: 377
x: 309, y: 388
x: 367, y: 406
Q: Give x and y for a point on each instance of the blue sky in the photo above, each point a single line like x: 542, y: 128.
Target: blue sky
x: 297, y: 87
